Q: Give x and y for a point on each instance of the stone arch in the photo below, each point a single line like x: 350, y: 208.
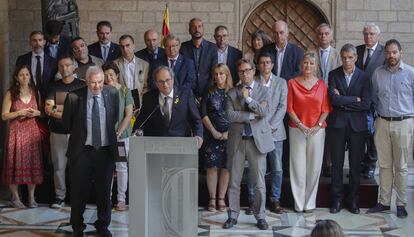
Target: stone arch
x: 302, y: 18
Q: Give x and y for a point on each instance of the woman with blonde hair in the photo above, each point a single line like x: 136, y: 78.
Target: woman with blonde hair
x: 213, y: 151
x: 308, y: 106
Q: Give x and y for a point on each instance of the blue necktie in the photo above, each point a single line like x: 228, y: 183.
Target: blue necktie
x: 247, y: 129
x: 96, y: 124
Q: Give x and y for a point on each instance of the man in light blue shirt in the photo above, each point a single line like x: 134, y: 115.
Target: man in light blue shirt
x: 393, y: 97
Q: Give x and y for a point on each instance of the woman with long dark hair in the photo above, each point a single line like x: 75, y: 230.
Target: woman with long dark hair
x: 22, y: 163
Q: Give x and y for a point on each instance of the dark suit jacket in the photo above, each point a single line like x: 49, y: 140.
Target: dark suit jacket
x: 74, y: 120
x: 184, y: 73
x: 291, y: 60
x: 63, y: 47
x: 184, y: 116
x: 114, y: 51
x: 208, y: 59
x: 145, y: 55
x: 49, y: 70
x: 232, y: 57
x: 377, y: 59
x: 346, y: 109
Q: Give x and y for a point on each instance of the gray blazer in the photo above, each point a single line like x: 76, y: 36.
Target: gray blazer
x: 277, y: 106
x: 334, y: 61
x: 238, y: 116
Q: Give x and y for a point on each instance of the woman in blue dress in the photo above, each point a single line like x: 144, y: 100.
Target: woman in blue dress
x: 213, y: 152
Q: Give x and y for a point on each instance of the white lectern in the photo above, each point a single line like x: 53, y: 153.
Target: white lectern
x: 163, y: 186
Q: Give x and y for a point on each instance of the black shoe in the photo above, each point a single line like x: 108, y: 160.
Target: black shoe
x: 250, y: 210
x: 378, y: 208
x: 262, y: 224
x: 58, y: 203
x: 335, y: 208
x: 401, y: 212
x: 229, y: 223
x: 103, y: 232
x: 275, y: 207
x: 353, y: 208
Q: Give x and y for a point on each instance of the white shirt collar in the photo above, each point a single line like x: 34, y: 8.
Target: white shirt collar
x: 127, y: 62
x: 268, y: 82
x: 171, y: 95
x: 175, y: 59
x: 373, y: 47
x: 105, y: 45
x: 41, y: 54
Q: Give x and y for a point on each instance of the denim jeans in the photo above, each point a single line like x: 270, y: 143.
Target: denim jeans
x: 276, y: 173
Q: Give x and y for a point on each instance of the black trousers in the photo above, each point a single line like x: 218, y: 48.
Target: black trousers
x: 92, y: 165
x: 339, y: 139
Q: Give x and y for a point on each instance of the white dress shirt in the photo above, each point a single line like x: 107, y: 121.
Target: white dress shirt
x: 129, y: 73
x: 34, y: 63
x: 170, y: 101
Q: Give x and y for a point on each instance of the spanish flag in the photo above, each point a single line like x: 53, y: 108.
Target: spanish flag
x: 166, y: 23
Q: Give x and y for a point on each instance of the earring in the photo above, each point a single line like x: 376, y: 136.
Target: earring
x: 17, y: 83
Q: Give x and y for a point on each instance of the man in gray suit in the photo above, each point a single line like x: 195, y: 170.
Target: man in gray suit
x: 277, y: 88
x: 250, y: 137
x: 370, y: 56
x: 328, y: 59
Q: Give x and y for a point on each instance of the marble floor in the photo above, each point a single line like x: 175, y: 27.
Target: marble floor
x: 46, y: 222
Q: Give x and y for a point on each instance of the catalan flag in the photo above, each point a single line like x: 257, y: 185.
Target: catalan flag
x: 166, y: 22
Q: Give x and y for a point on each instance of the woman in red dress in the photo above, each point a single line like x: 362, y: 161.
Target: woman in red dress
x: 22, y: 163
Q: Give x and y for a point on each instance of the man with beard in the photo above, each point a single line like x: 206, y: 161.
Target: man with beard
x: 58, y: 136
x: 393, y: 97
x: 226, y: 53
x: 83, y: 60
x: 42, y: 66
x: 202, y: 52
x: 104, y: 48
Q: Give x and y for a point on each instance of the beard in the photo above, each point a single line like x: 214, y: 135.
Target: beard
x: 393, y: 61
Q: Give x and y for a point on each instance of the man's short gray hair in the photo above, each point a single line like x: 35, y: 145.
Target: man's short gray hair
x: 93, y: 70
x: 349, y: 48
x: 372, y: 25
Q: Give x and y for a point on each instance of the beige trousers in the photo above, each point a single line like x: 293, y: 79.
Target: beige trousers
x: 306, y: 156
x: 394, y: 142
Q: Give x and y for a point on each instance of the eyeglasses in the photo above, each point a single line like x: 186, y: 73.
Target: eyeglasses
x: 161, y: 82
x: 242, y: 72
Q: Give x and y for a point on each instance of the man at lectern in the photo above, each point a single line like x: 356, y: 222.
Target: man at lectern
x: 169, y: 111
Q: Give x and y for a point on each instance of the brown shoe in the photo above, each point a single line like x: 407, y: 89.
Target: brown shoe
x: 121, y: 206
x: 275, y: 207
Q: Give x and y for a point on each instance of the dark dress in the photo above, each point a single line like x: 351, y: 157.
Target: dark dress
x: 213, y: 152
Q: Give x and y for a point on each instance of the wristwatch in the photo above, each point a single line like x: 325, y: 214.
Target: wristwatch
x: 320, y: 124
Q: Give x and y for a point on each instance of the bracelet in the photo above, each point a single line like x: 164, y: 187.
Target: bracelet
x: 298, y: 123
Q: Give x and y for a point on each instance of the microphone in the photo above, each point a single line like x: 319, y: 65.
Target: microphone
x: 139, y: 131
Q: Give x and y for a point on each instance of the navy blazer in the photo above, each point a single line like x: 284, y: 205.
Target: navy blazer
x: 184, y: 73
x: 74, y: 120
x: 291, y: 60
x: 63, y: 47
x: 377, y: 59
x: 145, y: 55
x: 346, y: 109
x: 49, y: 70
x: 185, y: 117
x: 208, y: 59
x: 153, y: 64
x: 114, y: 51
x: 232, y: 57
